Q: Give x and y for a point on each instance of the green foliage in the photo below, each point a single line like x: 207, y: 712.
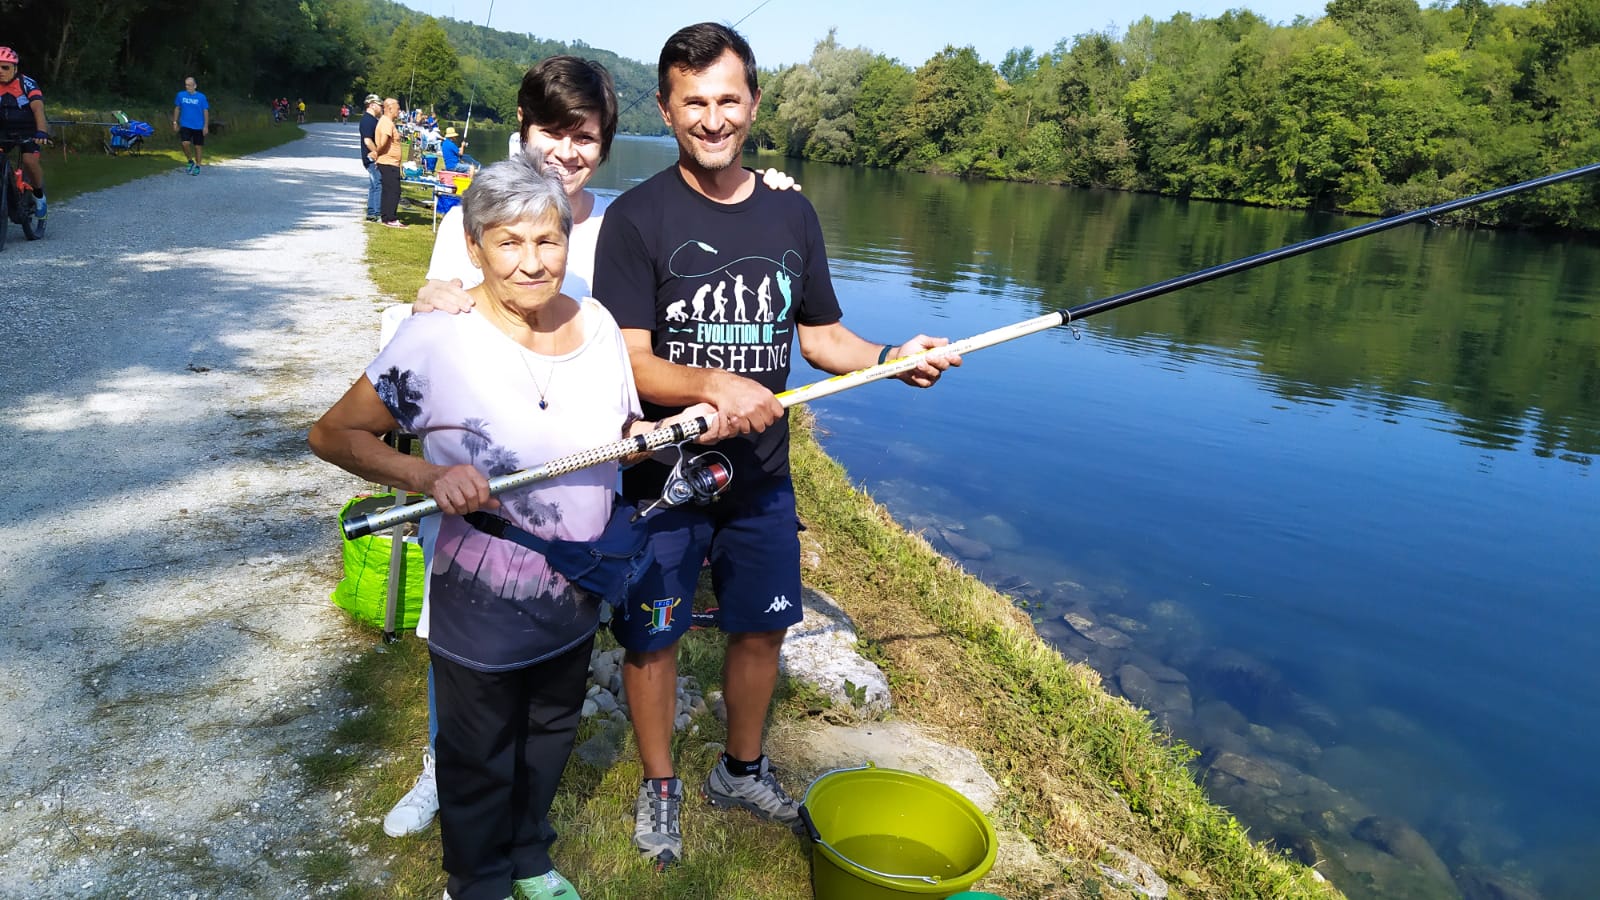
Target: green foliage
x: 880, y: 105
x: 114, y: 52
x: 1379, y: 106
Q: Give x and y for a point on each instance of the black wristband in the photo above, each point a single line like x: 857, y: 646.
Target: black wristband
x: 883, y: 355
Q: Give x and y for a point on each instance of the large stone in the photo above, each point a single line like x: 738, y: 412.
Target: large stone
x: 1247, y: 769
x: 1483, y: 884
x: 821, y: 651
x: 966, y: 547
x: 1166, y: 699
x: 897, y: 745
x: 1403, y: 843
x: 1103, y: 635
x: 996, y: 532
x: 1131, y: 872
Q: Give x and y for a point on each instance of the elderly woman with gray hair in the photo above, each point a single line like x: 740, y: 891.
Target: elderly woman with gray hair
x: 533, y: 375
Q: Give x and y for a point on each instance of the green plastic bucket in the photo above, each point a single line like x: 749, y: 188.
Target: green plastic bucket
x: 883, y: 834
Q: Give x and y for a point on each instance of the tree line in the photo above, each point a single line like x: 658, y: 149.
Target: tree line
x: 104, y: 52
x: 1379, y: 105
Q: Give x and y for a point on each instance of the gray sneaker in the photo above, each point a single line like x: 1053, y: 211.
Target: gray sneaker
x: 760, y: 793
x: 655, y: 821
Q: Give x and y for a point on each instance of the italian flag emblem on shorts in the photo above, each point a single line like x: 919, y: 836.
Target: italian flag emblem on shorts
x: 661, y: 613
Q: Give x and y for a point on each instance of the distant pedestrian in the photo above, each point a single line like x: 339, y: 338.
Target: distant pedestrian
x: 191, y: 119
x: 387, y: 140
x: 344, y: 113
x: 369, y: 154
x: 300, y: 112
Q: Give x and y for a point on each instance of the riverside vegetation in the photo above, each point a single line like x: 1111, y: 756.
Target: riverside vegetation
x: 1378, y: 105
x: 1079, y: 770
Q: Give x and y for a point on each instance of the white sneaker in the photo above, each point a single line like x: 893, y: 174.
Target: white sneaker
x: 418, y: 807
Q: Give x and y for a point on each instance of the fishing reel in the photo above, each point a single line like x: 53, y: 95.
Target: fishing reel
x: 695, y: 479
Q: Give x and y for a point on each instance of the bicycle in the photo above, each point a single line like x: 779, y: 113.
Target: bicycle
x: 16, y: 195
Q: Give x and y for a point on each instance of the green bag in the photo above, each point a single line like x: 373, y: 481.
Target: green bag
x: 364, y: 590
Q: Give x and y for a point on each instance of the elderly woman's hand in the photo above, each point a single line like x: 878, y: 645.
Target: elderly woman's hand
x: 445, y: 296
x: 460, y: 489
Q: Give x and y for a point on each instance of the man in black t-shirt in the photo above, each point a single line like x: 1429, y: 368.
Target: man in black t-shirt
x: 712, y: 276
x: 369, y: 154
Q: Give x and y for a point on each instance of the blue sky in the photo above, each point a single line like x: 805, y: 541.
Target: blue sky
x: 784, y: 31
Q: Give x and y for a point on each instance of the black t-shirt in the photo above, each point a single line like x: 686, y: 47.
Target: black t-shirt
x: 719, y: 285
x: 369, y: 132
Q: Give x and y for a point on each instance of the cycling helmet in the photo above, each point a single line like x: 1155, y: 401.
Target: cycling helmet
x: 8, y: 55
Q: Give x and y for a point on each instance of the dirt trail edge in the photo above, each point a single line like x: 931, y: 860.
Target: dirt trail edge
x: 166, y: 539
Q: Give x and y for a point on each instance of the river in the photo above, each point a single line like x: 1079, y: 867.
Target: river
x: 1340, y: 514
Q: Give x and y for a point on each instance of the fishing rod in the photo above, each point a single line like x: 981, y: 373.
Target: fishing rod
x: 472, y: 98
x: 650, y: 91
x: 679, y: 433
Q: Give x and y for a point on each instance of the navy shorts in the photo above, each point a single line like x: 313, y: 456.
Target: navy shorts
x: 195, y: 136
x: 753, y: 542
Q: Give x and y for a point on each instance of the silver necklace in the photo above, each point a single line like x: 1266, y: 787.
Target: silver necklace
x: 543, y: 404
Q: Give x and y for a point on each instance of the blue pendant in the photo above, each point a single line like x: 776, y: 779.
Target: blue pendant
x: 543, y: 405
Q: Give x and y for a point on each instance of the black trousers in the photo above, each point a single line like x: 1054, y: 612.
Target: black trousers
x: 389, y: 199
x: 504, y: 739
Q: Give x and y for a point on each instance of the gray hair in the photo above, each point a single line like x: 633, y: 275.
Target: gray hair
x: 513, y: 190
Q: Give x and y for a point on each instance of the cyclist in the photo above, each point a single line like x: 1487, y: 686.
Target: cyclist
x: 22, y: 113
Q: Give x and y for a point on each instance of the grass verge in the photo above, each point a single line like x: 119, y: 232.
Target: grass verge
x: 1079, y: 770
x: 77, y: 164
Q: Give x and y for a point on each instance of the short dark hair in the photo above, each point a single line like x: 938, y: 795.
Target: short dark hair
x: 561, y: 91
x: 698, y: 47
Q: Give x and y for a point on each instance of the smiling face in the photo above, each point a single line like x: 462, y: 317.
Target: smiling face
x: 571, y: 154
x: 710, y: 113
x: 190, y: 86
x: 523, y: 262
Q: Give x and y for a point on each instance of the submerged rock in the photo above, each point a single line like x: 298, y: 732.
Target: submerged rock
x: 966, y: 547
x: 1482, y: 884
x: 1103, y: 635
x: 996, y: 532
x: 1165, y: 699
x: 1402, y: 842
x: 1247, y: 770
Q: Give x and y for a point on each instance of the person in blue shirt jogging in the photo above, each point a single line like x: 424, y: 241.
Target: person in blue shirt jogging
x: 191, y: 119
x: 22, y: 115
x: 452, y: 157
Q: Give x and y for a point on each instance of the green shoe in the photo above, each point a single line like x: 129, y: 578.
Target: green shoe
x: 549, y: 886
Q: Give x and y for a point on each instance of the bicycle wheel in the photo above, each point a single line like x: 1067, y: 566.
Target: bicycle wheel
x: 32, y: 229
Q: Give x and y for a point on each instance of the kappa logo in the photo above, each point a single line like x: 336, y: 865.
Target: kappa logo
x: 779, y: 604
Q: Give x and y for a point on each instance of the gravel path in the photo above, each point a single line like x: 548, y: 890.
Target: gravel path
x: 167, y: 540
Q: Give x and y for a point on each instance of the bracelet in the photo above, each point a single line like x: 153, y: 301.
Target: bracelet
x: 883, y: 355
